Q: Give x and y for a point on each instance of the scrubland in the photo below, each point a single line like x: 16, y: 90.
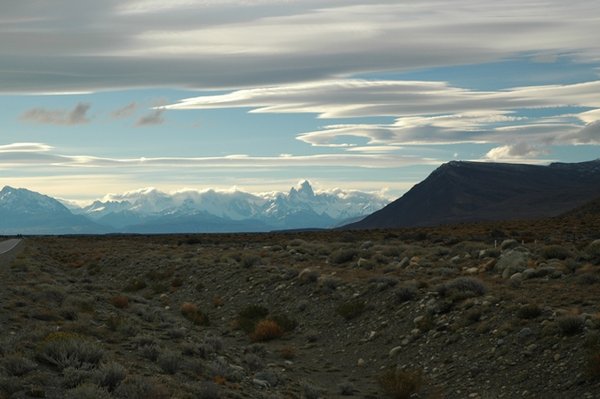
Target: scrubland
x: 501, y: 310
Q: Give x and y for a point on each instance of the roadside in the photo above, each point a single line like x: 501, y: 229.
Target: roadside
x: 9, y: 249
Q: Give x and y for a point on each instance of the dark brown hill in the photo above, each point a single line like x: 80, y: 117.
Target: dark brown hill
x: 458, y: 192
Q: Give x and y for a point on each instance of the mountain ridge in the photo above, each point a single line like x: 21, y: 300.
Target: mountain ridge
x: 187, y: 211
x: 466, y: 191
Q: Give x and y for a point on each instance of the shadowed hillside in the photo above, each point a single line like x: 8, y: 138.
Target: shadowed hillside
x: 475, y: 191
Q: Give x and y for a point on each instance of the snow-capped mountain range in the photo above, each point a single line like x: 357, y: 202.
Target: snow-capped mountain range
x: 153, y: 211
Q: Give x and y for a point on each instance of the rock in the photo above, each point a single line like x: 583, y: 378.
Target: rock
x: 269, y: 377
x: 516, y: 276
x: 308, y: 276
x: 360, y: 362
x: 472, y: 270
x: 261, y: 383
x: 509, y: 244
x: 511, y: 262
x: 365, y: 264
x: 418, y: 320
x: 525, y: 333
x: 455, y: 259
x: 395, y: 351
x: 404, y: 262
x: 488, y: 265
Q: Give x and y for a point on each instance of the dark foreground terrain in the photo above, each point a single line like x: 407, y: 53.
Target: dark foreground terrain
x: 503, y: 310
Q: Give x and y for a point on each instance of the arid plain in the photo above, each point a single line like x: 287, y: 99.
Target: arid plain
x: 497, y: 310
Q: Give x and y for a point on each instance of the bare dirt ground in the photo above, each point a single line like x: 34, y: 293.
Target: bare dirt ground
x: 500, y: 310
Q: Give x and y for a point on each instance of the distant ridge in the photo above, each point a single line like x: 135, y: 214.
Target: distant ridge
x: 27, y: 212
x: 461, y: 191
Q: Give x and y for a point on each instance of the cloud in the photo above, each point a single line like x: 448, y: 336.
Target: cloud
x: 42, y: 156
x: 153, y: 118
x: 350, y: 98
x: 79, y: 46
x: 426, y: 112
x: 590, y: 134
x: 77, y: 116
x: 512, y: 153
x: 25, y: 147
x: 125, y: 112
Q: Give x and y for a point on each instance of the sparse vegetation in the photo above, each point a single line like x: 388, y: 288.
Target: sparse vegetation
x: 69, y: 329
x: 570, y: 324
x: 64, y: 350
x: 462, y: 287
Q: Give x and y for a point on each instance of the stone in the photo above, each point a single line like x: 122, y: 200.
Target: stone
x: 514, y: 261
x: 509, y: 244
x: 395, y: 351
x: 404, y: 262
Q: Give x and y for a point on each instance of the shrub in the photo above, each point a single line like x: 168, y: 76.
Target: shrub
x: 135, y: 285
x: 120, y: 301
x: 88, y: 391
x: 529, y: 311
x: 343, y: 255
x: 69, y: 350
x: 400, y: 384
x: 266, y: 330
x: 351, y: 309
x: 288, y: 352
x: 571, y: 324
x: 16, y: 365
x: 285, y: 322
x: 593, y: 251
x: 176, y: 282
x: 191, y: 312
x: 593, y: 364
x: 310, y: 392
x: 405, y: 294
x: 346, y: 388
x: 248, y: 261
x: 208, y: 390
x: 169, y: 362
x: 555, y: 252
x: 110, y: 375
x: 462, y: 287
x: 138, y: 387
x: 249, y: 316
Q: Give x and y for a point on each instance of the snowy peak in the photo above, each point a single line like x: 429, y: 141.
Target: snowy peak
x: 23, y: 200
x: 26, y: 212
x: 300, y: 206
x: 303, y: 190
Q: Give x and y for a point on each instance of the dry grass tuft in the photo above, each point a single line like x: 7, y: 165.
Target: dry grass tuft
x: 400, y: 384
x: 266, y: 330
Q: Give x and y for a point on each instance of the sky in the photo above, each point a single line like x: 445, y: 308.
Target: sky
x: 110, y: 96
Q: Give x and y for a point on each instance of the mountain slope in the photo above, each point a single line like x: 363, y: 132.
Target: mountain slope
x: 476, y: 191
x: 27, y: 212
